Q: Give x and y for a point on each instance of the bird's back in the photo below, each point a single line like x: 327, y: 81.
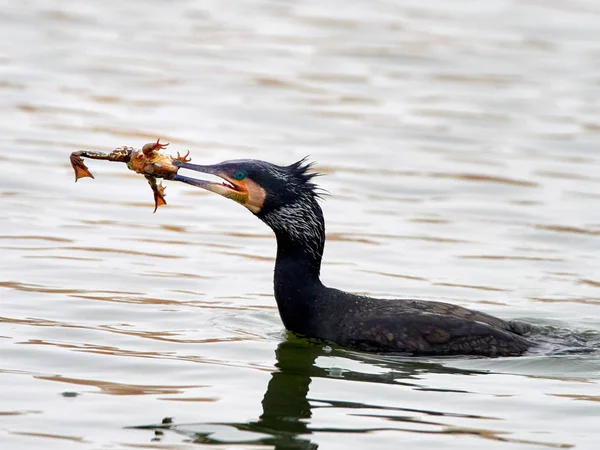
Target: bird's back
x: 416, y: 327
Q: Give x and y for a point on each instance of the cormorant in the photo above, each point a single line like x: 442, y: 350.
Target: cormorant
x: 285, y: 198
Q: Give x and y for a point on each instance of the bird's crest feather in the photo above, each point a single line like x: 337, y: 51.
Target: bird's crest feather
x: 302, y: 171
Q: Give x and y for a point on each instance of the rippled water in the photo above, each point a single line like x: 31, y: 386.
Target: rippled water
x: 460, y: 142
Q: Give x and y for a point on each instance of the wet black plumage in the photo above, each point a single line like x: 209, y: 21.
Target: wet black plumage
x: 290, y: 207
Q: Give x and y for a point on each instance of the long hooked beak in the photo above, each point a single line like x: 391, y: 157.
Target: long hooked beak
x: 229, y: 188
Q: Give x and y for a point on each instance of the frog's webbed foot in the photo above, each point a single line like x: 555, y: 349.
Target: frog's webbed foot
x: 152, y: 147
x: 158, y: 190
x: 181, y: 158
x: 159, y: 196
x: 81, y: 170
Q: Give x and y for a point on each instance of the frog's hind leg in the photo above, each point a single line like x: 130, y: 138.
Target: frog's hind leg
x: 121, y: 154
x: 81, y: 170
x: 158, y: 190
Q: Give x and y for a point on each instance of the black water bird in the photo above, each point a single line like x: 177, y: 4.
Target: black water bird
x: 286, y: 199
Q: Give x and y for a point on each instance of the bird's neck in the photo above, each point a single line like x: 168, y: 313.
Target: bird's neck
x: 300, y: 233
x: 296, y: 284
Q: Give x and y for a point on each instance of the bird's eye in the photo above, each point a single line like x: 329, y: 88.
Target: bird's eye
x: 240, y: 175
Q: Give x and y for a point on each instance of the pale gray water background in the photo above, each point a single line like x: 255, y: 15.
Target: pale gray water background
x: 461, y: 146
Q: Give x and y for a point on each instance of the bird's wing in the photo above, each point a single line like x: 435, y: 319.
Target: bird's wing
x: 428, y: 333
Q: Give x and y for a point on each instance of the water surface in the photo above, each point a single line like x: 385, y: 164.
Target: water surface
x: 460, y: 145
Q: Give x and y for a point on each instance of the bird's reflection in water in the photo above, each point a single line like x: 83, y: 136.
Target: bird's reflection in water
x: 287, y: 408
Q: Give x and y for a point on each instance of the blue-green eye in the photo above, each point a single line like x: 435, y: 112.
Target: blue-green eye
x: 240, y: 175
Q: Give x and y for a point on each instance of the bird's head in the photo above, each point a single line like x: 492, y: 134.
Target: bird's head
x: 260, y: 186
x: 284, y: 197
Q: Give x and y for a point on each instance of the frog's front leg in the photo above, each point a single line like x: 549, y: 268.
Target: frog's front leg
x: 150, y: 149
x: 158, y: 190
